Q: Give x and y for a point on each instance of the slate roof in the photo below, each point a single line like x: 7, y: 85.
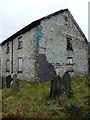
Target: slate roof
x: 37, y: 22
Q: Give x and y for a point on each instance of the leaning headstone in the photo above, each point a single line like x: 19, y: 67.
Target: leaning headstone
x: 1, y: 82
x: 14, y: 84
x: 8, y: 81
x: 56, y: 84
x: 67, y: 81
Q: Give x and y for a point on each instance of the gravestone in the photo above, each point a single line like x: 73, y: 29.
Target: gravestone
x: 56, y: 84
x: 14, y: 84
x: 87, y: 82
x: 8, y: 81
x: 67, y: 81
x: 1, y: 82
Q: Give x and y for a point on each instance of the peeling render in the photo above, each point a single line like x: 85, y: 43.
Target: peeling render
x: 46, y: 70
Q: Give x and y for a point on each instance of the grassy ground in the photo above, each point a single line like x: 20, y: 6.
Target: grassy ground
x: 32, y: 101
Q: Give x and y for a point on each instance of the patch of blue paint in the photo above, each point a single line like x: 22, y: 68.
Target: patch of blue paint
x: 38, y: 34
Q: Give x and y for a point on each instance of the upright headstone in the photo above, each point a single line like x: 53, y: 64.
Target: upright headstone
x: 8, y: 81
x: 67, y: 81
x: 14, y: 84
x: 56, y: 84
x: 1, y: 82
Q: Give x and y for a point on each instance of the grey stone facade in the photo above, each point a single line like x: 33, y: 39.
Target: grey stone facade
x: 89, y: 55
x: 45, y: 44
x: 0, y: 59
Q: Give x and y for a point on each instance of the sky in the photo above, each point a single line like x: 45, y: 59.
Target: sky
x: 16, y: 14
x: 89, y: 21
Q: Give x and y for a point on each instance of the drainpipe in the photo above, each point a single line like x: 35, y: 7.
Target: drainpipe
x: 12, y: 59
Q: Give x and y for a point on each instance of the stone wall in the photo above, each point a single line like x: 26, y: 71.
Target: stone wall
x: 50, y: 43
x: 54, y: 43
x: 0, y: 60
x: 6, y: 56
x: 28, y: 54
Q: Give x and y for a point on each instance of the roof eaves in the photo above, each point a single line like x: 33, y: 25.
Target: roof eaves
x: 23, y: 30
x: 33, y: 24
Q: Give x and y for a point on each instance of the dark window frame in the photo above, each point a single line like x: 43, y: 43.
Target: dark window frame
x: 69, y: 44
x: 20, y: 42
x: 7, y: 69
x: 8, y: 48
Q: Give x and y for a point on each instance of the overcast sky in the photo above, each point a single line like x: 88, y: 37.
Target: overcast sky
x: 16, y: 14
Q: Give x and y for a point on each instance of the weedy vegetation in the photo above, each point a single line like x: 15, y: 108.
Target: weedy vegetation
x: 32, y: 101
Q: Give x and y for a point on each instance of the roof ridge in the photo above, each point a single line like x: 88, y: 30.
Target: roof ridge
x: 31, y: 25
x: 37, y: 22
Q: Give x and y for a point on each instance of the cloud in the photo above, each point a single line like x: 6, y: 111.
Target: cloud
x: 89, y: 21
x: 15, y: 14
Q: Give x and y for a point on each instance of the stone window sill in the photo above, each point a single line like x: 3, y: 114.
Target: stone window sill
x: 19, y: 48
x: 7, y: 52
x: 20, y: 71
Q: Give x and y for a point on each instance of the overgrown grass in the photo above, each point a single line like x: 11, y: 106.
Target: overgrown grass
x: 32, y: 101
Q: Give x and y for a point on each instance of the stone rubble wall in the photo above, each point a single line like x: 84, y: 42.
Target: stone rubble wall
x: 53, y: 44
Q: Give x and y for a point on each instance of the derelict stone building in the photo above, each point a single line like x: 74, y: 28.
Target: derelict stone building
x: 89, y: 55
x: 0, y: 59
x: 52, y: 43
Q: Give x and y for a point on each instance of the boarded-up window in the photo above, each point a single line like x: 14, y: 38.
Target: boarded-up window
x: 70, y: 60
x: 69, y: 44
x: 20, y: 64
x: 7, y: 66
x: 20, y: 42
x: 70, y: 65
